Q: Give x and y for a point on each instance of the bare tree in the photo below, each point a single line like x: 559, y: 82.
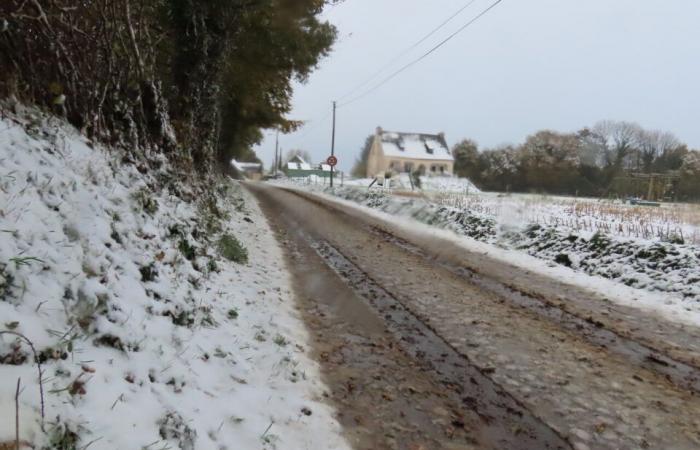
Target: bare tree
x: 619, y: 139
x: 593, y: 148
x: 653, y: 144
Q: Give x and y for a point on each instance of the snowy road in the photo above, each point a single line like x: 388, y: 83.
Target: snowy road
x: 427, y: 346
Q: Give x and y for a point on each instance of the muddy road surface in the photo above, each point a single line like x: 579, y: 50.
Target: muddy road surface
x: 426, y: 346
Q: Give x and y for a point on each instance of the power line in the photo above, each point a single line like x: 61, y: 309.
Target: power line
x: 402, y: 54
x: 389, y: 64
x: 314, y: 125
x: 410, y: 64
x: 422, y: 57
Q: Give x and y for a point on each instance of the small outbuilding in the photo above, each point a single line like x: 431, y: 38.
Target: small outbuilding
x: 297, y: 167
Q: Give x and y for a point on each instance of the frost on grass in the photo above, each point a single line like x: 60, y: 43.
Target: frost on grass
x: 232, y: 249
x: 124, y: 279
x: 173, y: 428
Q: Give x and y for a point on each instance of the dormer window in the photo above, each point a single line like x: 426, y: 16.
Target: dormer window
x: 429, y: 149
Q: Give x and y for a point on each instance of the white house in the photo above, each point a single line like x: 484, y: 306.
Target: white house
x: 409, y: 152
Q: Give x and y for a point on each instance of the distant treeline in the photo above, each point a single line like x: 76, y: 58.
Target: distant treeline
x: 195, y: 80
x: 610, y: 159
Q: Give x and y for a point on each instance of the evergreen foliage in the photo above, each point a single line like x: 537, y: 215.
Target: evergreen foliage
x: 196, y: 80
x: 359, y: 170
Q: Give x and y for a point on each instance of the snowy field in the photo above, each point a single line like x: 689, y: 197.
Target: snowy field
x: 148, y: 337
x: 429, y: 184
x: 680, y: 222
x: 649, y: 249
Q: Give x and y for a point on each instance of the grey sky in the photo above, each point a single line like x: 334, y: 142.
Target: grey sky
x: 525, y: 66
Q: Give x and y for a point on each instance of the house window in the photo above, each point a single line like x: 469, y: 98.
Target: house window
x: 433, y: 168
x: 409, y: 167
x: 442, y: 169
x: 429, y: 149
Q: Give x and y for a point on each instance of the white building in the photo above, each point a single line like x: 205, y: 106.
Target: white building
x: 409, y: 152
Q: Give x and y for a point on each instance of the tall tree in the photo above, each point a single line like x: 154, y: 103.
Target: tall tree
x: 466, y: 155
x: 198, y: 77
x: 550, y: 160
x: 652, y: 144
x: 202, y: 34
x: 273, y: 47
x: 619, y: 139
x: 359, y: 170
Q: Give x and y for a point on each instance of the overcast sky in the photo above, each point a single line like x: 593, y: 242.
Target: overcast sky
x: 526, y: 65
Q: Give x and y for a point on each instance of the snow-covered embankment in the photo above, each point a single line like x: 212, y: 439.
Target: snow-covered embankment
x: 148, y: 336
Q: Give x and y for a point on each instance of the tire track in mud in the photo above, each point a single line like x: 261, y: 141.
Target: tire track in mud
x: 681, y: 374
x: 504, y: 419
x: 586, y: 385
x: 484, y: 415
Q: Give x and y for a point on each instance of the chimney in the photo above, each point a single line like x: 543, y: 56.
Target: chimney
x: 379, y: 131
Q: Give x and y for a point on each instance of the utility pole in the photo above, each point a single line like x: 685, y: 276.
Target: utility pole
x: 333, y: 142
x: 277, y: 148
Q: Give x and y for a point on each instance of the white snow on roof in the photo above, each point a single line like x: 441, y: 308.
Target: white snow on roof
x: 298, y: 163
x: 298, y: 166
x: 245, y: 166
x: 299, y: 160
x: 415, y: 146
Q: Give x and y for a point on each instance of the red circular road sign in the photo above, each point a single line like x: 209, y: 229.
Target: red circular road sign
x: 332, y: 161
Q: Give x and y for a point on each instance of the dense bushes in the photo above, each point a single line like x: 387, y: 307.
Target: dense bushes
x: 193, y: 79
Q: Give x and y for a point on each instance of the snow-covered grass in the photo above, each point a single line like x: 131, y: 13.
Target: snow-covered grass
x: 584, y: 215
x: 652, y: 264
x: 444, y: 184
x: 428, y: 184
x: 670, y: 221
x: 150, y: 335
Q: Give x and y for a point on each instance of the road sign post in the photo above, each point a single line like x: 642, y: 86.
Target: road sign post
x: 332, y: 161
x: 333, y: 144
